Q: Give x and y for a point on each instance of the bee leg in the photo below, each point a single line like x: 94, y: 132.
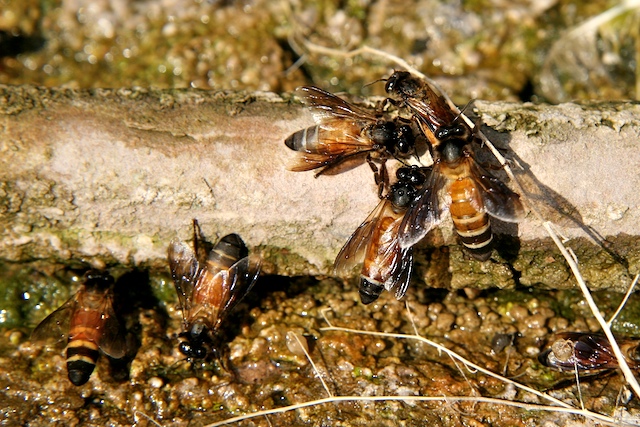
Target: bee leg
x: 380, y: 175
x: 391, y: 102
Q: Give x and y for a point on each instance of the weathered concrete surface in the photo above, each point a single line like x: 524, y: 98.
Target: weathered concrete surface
x: 110, y: 176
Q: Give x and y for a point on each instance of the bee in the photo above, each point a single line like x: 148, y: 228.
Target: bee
x: 88, y: 323
x: 208, y: 291
x: 385, y: 264
x: 457, y: 182
x: 587, y: 352
x: 345, y: 132
x: 429, y: 107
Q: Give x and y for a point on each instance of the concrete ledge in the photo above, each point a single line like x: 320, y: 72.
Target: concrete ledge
x: 111, y: 176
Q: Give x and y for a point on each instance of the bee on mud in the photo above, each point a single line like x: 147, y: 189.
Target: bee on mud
x: 587, y: 352
x: 457, y: 183
x: 209, y: 290
x: 385, y: 264
x: 88, y: 323
x: 345, y: 132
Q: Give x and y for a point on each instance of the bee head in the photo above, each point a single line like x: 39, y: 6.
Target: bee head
x: 455, y: 131
x: 401, y: 195
x: 193, y: 343
x: 193, y: 350
x: 411, y: 175
x: 405, y: 140
x: 401, y: 83
x: 98, y: 279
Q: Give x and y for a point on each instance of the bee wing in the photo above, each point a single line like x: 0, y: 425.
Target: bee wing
x: 112, y: 341
x: 425, y: 212
x: 326, y: 105
x: 431, y: 108
x: 400, y: 277
x: 310, y: 161
x: 56, y: 325
x: 237, y: 282
x: 353, y: 252
x: 594, y: 351
x: 185, y: 271
x: 401, y: 261
x: 499, y: 200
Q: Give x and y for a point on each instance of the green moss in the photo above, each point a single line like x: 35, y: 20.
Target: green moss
x: 29, y: 293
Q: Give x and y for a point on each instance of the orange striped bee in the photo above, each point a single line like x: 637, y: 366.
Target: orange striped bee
x: 208, y: 291
x: 385, y: 264
x: 345, y: 132
x: 587, y: 352
x: 457, y: 183
x: 88, y: 323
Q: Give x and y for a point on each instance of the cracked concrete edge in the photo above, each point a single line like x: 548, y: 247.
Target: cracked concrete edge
x: 111, y: 176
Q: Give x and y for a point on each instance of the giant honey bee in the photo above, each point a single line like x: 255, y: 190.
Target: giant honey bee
x: 344, y: 132
x: 88, y: 323
x: 385, y: 264
x: 457, y: 183
x: 587, y: 352
x: 208, y: 291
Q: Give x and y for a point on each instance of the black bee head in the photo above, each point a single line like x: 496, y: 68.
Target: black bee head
x: 411, y: 175
x: 193, y: 350
x: 405, y: 140
x: 195, y: 341
x: 97, y: 279
x: 455, y: 131
x: 401, y: 195
x: 401, y: 83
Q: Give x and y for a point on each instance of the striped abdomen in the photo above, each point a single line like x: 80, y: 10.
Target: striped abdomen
x: 304, y: 139
x: 333, y: 138
x: 471, y: 224
x: 82, y: 350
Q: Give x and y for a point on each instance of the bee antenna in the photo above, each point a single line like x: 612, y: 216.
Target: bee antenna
x: 374, y: 82
x: 197, y: 231
x: 404, y: 163
x: 463, y: 109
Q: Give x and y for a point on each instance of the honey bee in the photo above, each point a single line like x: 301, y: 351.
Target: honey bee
x: 345, y: 132
x: 587, y: 352
x: 88, y: 323
x: 208, y: 291
x: 385, y: 264
x: 457, y: 183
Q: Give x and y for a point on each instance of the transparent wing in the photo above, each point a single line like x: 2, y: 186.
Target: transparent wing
x: 499, y: 200
x: 594, y: 351
x: 243, y: 274
x: 55, y: 327
x: 326, y: 105
x: 354, y: 251
x: 112, y: 341
x: 400, y: 261
x: 236, y: 282
x: 309, y: 161
x: 425, y: 212
x: 185, y: 271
